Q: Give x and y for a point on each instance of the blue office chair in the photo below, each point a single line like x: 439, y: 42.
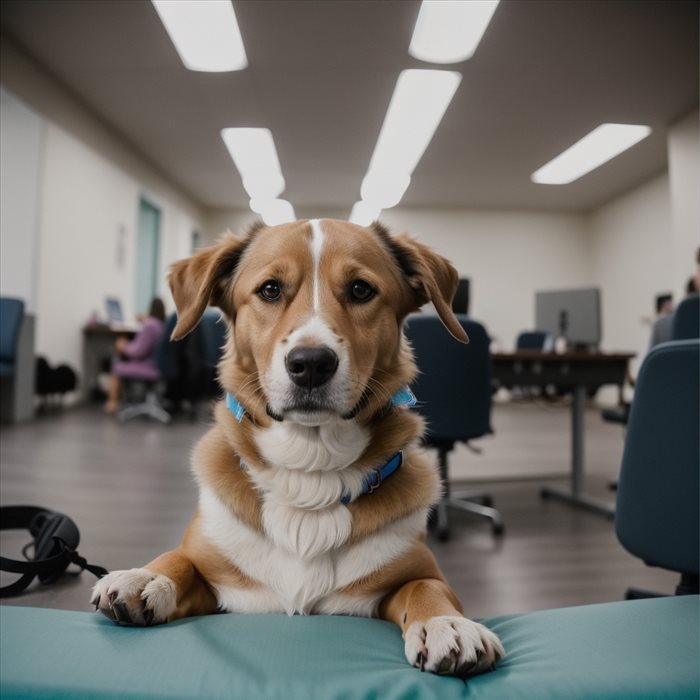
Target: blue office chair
x: 213, y: 330
x: 531, y: 340
x: 11, y: 314
x: 189, y: 366
x: 686, y: 319
x: 657, y: 500
x: 454, y: 395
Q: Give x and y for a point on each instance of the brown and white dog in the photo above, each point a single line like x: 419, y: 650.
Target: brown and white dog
x: 315, y: 353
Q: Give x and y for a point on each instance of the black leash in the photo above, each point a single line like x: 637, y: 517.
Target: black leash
x: 55, y: 542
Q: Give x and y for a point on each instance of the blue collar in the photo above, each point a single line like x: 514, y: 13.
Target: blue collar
x: 403, y: 397
x: 375, y: 478
x: 235, y: 406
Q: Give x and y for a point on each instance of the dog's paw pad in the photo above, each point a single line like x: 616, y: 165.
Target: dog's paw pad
x: 452, y: 645
x: 135, y: 597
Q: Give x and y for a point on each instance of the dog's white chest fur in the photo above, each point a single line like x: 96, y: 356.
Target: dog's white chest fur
x: 303, y: 556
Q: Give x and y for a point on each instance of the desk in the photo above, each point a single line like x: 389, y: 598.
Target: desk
x: 575, y: 371
x: 98, y: 342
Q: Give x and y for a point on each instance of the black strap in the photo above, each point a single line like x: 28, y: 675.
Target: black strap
x: 75, y: 558
x: 56, y: 538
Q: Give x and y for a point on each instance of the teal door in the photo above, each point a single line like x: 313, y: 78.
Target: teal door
x: 147, y: 247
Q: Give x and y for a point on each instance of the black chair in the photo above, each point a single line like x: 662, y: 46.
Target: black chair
x: 531, y: 340
x: 685, y: 325
x: 189, y: 366
x: 454, y: 395
x: 11, y: 314
x: 657, y: 500
x: 686, y: 319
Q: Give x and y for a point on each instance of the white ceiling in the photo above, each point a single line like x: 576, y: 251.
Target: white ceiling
x: 321, y: 74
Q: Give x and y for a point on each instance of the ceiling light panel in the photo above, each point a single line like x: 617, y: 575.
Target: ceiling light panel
x: 599, y: 146
x: 205, y: 33
x: 448, y: 31
x: 273, y: 211
x: 363, y: 213
x: 417, y: 106
x: 254, y: 155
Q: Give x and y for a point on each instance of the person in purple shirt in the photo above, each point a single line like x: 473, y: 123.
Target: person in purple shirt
x: 138, y: 356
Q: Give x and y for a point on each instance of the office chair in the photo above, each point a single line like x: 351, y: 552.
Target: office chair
x: 686, y: 319
x: 656, y: 517
x: 454, y: 395
x: 188, y: 367
x: 11, y: 314
x: 151, y: 405
x: 213, y: 332
x: 685, y: 325
x: 531, y: 340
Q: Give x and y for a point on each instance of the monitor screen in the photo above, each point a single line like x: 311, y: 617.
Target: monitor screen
x: 114, y: 310
x: 571, y: 313
x: 460, y: 303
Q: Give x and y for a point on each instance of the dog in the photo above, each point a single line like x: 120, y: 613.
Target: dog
x: 313, y: 488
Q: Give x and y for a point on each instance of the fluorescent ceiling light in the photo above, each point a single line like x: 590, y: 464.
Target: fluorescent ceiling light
x: 383, y: 190
x: 417, y: 106
x: 364, y: 213
x: 254, y: 154
x: 448, y: 31
x: 273, y: 211
x: 204, y: 32
x: 600, y: 145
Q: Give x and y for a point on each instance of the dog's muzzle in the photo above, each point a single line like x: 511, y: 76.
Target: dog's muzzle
x: 311, y: 367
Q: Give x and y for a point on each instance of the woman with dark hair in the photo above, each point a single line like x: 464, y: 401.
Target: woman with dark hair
x: 138, y: 356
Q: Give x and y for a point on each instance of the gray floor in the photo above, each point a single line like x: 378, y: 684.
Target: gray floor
x: 129, y: 490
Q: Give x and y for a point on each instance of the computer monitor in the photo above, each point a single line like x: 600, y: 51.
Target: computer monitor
x: 571, y: 313
x: 114, y: 310
x: 460, y: 303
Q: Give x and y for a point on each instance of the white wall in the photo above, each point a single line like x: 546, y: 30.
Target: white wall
x: 684, y: 173
x: 90, y: 208
x: 21, y: 143
x: 508, y: 256
x: 632, y: 261
x: 90, y: 184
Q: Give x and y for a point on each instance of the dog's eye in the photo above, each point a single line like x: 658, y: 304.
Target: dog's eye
x: 361, y: 291
x: 270, y: 290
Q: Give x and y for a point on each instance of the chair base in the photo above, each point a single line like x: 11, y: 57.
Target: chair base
x: 688, y: 585
x: 150, y: 408
x: 475, y: 505
x: 480, y: 505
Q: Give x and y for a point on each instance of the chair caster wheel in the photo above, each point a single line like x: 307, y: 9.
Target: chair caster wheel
x: 488, y: 501
x: 443, y: 535
x: 498, y: 529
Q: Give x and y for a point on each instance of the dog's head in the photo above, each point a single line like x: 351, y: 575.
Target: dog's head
x: 316, y: 311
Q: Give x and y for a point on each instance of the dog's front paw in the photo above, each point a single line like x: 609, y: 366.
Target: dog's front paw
x: 451, y: 644
x: 135, y: 597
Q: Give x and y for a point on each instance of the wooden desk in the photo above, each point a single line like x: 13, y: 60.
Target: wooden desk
x: 98, y: 342
x: 575, y: 371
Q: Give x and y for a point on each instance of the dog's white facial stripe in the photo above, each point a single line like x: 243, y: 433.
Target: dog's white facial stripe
x: 316, y: 246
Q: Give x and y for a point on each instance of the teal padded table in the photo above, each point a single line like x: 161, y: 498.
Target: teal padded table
x: 632, y: 650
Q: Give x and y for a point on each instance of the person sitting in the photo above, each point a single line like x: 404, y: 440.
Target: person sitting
x: 137, y: 358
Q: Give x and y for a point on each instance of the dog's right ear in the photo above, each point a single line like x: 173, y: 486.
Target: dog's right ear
x: 203, y: 280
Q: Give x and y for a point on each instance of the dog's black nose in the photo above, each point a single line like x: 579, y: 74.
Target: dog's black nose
x: 311, y: 367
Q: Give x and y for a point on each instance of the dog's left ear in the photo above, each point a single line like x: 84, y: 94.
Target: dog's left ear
x: 202, y: 280
x: 431, y: 277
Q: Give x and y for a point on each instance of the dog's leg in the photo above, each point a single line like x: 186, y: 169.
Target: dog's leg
x: 166, y: 589
x: 437, y: 636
